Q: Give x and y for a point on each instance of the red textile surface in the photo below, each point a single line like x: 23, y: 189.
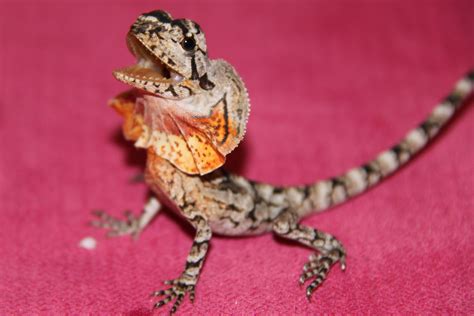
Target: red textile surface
x: 331, y: 83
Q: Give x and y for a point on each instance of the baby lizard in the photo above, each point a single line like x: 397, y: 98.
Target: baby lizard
x: 189, y: 112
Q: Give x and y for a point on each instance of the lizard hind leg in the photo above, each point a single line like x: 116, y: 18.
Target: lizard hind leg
x: 329, y: 250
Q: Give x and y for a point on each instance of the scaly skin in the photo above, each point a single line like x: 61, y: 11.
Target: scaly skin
x: 189, y: 112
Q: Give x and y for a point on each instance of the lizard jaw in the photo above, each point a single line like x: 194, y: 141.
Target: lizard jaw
x: 148, y: 68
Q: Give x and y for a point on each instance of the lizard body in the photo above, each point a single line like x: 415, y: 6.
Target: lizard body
x: 189, y: 112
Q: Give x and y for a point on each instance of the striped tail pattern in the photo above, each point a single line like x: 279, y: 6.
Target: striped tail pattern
x: 327, y: 193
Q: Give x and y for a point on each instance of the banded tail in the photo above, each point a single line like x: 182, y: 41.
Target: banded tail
x: 326, y: 193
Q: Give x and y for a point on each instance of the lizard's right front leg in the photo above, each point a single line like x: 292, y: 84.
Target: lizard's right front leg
x: 132, y: 225
x: 186, y: 282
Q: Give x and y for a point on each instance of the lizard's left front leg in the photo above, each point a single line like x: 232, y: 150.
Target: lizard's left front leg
x: 186, y: 282
x: 330, y: 250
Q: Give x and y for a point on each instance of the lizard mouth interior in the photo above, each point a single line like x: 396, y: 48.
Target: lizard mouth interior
x: 148, y: 67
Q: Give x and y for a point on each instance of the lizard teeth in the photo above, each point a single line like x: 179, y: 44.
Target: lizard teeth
x: 139, y: 72
x: 146, y: 69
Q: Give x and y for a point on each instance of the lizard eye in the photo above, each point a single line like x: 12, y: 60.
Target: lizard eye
x: 188, y: 43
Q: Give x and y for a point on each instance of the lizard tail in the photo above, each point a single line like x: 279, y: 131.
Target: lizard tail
x: 327, y: 193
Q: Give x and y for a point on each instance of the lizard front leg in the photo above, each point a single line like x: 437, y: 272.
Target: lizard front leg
x: 330, y: 250
x: 131, y: 225
x: 186, y: 282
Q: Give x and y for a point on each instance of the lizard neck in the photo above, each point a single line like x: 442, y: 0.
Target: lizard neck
x: 234, y: 102
x: 196, y: 133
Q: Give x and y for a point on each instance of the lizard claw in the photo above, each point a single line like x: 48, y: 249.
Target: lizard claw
x: 180, y: 287
x: 131, y: 225
x: 115, y: 226
x: 318, y: 267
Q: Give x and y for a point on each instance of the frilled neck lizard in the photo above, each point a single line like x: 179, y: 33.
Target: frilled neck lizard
x: 189, y: 112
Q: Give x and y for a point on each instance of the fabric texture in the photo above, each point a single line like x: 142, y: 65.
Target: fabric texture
x: 331, y: 84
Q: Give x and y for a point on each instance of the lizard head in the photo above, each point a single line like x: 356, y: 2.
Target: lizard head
x: 171, y: 56
x: 186, y: 108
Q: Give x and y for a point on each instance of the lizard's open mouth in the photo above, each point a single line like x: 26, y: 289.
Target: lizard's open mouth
x: 148, y: 68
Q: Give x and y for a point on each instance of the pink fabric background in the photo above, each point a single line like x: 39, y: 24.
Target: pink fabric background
x: 331, y: 83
